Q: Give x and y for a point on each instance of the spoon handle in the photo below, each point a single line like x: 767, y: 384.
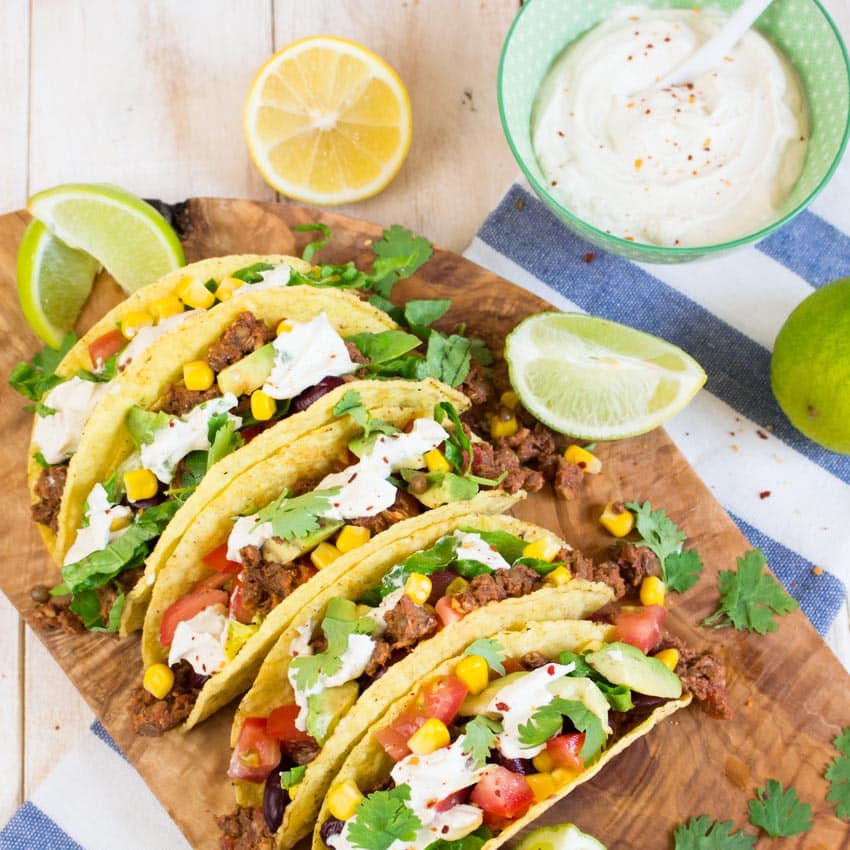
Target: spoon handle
x: 711, y: 54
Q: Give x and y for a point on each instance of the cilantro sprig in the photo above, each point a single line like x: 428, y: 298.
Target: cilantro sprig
x: 491, y: 651
x: 779, y: 813
x: 838, y: 775
x: 546, y: 722
x: 382, y: 819
x: 750, y: 597
x: 479, y: 738
x: 36, y: 378
x: 704, y: 834
x: 352, y: 404
x: 299, y: 516
x: 680, y: 569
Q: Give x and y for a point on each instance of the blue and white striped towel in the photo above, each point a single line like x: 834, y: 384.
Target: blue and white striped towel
x: 726, y: 313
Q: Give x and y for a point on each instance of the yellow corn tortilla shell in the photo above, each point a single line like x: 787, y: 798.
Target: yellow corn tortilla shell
x: 574, y: 601
x: 311, y: 456
x: 368, y: 764
x: 78, y: 357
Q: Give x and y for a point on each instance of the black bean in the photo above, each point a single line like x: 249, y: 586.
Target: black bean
x: 523, y: 766
x: 311, y: 394
x: 332, y: 826
x: 40, y: 593
x: 274, y: 800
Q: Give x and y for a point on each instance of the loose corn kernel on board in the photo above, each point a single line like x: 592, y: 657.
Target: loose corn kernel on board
x: 789, y: 694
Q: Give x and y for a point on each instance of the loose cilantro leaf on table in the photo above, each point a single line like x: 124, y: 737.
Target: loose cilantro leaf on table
x: 480, y: 737
x: 32, y: 380
x: 546, y: 722
x: 704, y: 834
x: 680, y: 569
x: 780, y: 813
x: 382, y: 818
x: 838, y: 774
x: 291, y: 777
x: 299, y: 516
x: 750, y: 597
x: 491, y: 651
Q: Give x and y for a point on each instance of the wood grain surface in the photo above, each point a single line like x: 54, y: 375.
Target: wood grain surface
x: 789, y: 693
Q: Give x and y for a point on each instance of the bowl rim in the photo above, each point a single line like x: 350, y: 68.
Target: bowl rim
x: 650, y: 251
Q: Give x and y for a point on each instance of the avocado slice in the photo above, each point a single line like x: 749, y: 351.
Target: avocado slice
x: 477, y: 703
x: 328, y: 707
x: 624, y: 664
x: 143, y: 424
x: 444, y: 488
x: 284, y: 551
x: 248, y: 374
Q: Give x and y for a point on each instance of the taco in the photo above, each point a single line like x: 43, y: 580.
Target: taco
x: 66, y: 386
x: 474, y: 768
x: 267, y: 537
x: 340, y: 664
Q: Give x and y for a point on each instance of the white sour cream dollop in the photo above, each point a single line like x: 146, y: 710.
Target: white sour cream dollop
x: 98, y: 534
x: 200, y: 641
x: 688, y: 165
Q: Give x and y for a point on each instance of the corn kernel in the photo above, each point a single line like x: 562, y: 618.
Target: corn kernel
x: 140, y: 484
x: 542, y: 549
x: 158, y: 681
x: 583, y: 458
x: 543, y: 762
x: 263, y: 406
x: 668, y: 657
x: 509, y: 399
x: 456, y: 586
x: 436, y: 461
x: 324, y: 554
x: 502, y: 427
x: 283, y: 328
x: 343, y: 799
x: 591, y: 646
x: 559, y: 576
x: 429, y: 737
x: 352, y: 537
x: 542, y: 786
x: 134, y: 321
x: 225, y: 290
x: 197, y: 375
x: 194, y: 294
x: 166, y: 307
x: 474, y: 672
x: 293, y: 790
x: 120, y: 521
x: 564, y: 775
x: 652, y: 591
x: 618, y: 522
x: 418, y: 588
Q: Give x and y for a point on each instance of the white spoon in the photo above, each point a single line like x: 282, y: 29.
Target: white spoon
x: 711, y: 54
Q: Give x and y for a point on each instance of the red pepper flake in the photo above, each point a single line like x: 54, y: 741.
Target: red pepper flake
x: 648, y: 112
x: 650, y: 46
x: 369, y: 507
x: 554, y: 182
x: 561, y: 133
x: 551, y: 669
x: 630, y: 58
x: 761, y: 434
x: 502, y: 706
x: 589, y: 257
x: 667, y: 38
x: 764, y: 494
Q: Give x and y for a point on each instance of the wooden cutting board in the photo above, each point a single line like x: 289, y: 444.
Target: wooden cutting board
x: 789, y: 694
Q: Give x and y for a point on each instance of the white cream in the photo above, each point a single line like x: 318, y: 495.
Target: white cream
x: 147, y: 336
x: 273, y: 278
x: 185, y: 434
x: 518, y: 700
x: 300, y: 644
x: 200, y: 641
x: 688, y: 165
x: 472, y: 547
x: 58, y: 435
x: 98, y: 534
x: 304, y: 355
x: 247, y: 531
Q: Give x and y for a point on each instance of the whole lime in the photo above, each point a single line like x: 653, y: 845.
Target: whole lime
x: 810, y: 368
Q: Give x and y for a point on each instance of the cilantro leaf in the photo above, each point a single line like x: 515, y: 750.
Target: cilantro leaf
x: 582, y: 668
x: 421, y: 312
x: 384, y: 347
x: 426, y: 562
x: 682, y: 570
x: 291, y: 777
x: 297, y: 517
x: 750, y: 597
x: 106, y: 373
x: 481, y: 351
x: 704, y: 834
x: 317, y: 244
x: 394, y: 312
x: 40, y: 409
x: 509, y: 546
x: 352, y: 404
x: 546, y: 722
x: 480, y: 737
x: 253, y: 273
x: 491, y: 651
x: 382, y: 818
x: 397, y: 255
x: 86, y: 606
x: 113, y: 620
x: 780, y: 813
x: 447, y: 359
x: 458, y: 448
x: 40, y: 459
x: 474, y: 841
x: 224, y: 439
x: 34, y: 379
x: 659, y: 532
x: 838, y: 774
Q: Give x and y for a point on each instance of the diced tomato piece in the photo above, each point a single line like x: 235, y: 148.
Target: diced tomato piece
x: 394, y: 738
x: 446, y: 612
x: 442, y: 698
x: 215, y: 580
x: 281, y: 725
x: 185, y: 608
x: 102, y: 348
x: 565, y: 749
x: 236, y: 608
x: 641, y: 627
x: 257, y: 753
x: 503, y: 793
x: 217, y: 560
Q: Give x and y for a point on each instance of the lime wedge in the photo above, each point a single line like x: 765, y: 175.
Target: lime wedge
x: 126, y: 235
x: 598, y: 380
x: 54, y: 282
x: 565, y: 836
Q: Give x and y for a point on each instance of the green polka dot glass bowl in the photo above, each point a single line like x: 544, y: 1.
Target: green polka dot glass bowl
x: 800, y: 28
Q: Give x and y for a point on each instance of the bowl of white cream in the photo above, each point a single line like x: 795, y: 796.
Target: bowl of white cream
x: 671, y: 173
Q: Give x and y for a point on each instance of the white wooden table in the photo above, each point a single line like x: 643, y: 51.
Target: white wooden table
x: 149, y: 95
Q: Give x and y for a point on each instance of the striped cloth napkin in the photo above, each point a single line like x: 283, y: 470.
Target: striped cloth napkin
x: 789, y: 497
